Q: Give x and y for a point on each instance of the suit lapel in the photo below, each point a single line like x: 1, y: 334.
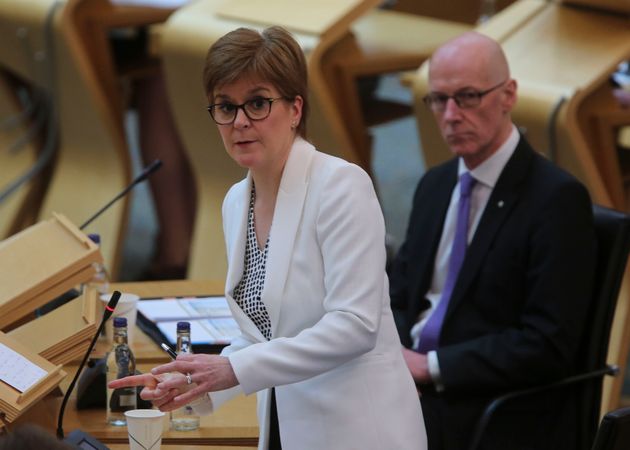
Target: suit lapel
x: 432, y: 223
x: 503, y: 199
x: 286, y: 220
x: 238, y: 233
x: 237, y: 236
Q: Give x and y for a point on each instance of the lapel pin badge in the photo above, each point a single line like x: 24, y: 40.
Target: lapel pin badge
x: 500, y: 203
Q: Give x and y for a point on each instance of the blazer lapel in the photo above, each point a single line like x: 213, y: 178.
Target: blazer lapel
x: 286, y: 220
x: 501, y: 202
x: 237, y: 235
x: 432, y: 224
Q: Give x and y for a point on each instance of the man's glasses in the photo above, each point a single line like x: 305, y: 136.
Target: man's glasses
x: 258, y: 108
x: 466, y: 98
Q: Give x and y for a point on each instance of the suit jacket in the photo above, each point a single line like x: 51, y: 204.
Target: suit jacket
x: 518, y: 307
x: 334, y: 358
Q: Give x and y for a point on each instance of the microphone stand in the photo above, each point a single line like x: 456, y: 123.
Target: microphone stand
x: 155, y: 165
x: 109, y: 309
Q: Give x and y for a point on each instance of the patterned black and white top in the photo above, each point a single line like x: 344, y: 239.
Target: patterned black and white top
x: 248, y: 291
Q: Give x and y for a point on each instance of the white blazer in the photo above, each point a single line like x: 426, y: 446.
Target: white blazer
x: 335, y: 356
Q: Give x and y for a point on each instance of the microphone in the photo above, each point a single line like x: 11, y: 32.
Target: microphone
x: 109, y: 309
x: 155, y: 165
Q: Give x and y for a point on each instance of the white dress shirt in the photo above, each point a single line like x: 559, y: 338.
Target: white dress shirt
x: 486, y: 174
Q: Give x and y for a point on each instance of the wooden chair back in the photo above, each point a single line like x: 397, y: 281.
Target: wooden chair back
x: 42, y: 47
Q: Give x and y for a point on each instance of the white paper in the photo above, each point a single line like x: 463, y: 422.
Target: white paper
x: 18, y: 371
x: 210, y: 318
x: 207, y: 307
x: 188, y: 308
x: 162, y: 309
x: 204, y: 331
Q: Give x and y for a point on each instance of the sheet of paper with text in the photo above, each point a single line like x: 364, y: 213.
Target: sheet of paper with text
x: 17, y: 371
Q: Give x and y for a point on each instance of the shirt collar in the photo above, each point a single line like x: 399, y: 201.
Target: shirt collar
x: 488, y: 171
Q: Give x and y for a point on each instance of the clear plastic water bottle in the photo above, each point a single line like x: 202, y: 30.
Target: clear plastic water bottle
x: 120, y: 363
x: 100, y: 280
x: 184, y: 418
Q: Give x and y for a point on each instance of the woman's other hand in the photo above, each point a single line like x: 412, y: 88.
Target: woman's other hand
x: 207, y: 373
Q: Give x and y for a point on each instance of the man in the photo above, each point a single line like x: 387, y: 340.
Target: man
x: 502, y: 307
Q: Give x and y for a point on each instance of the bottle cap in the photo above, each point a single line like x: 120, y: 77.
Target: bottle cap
x: 96, y: 238
x: 120, y: 322
x: 183, y: 326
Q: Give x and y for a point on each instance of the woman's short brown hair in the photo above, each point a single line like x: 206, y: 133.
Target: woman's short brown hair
x: 272, y: 56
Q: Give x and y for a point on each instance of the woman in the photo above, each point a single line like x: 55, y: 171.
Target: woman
x: 306, y: 274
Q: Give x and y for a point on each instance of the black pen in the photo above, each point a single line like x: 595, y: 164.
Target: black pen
x: 168, y: 350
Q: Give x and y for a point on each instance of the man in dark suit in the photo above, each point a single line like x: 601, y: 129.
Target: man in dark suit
x: 503, y: 306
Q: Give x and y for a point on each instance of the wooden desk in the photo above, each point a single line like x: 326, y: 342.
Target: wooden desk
x: 234, y: 424
x: 171, y: 288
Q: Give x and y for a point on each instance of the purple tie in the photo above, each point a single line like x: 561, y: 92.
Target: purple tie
x: 430, y: 335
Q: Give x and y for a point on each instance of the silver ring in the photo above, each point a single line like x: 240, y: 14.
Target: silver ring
x: 188, y: 378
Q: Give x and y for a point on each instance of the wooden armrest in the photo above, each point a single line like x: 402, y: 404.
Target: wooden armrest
x: 123, y: 15
x: 406, y: 78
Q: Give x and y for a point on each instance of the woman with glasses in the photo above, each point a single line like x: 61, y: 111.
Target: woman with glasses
x: 306, y: 272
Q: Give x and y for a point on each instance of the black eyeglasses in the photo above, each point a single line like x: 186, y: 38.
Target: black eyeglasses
x: 466, y: 98
x: 258, y: 108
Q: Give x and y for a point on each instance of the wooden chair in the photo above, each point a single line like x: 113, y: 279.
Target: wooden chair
x: 184, y: 42
x: 379, y: 42
x: 93, y: 20
x: 27, y: 129
x: 386, y: 41
x: 463, y: 11
x: 561, y: 55
x: 23, y: 176
x: 90, y: 23
x: 92, y: 164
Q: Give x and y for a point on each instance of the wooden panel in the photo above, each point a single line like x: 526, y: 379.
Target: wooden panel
x: 614, y: 6
x: 301, y: 16
x: 41, y: 262
x: 464, y: 11
x: 14, y: 162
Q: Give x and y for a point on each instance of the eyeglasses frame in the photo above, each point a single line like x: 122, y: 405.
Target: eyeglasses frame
x: 479, y: 94
x: 210, y: 108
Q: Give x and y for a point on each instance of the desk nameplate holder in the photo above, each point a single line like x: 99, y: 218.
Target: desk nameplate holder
x: 14, y: 403
x: 61, y: 345
x: 37, y: 265
x: 40, y: 263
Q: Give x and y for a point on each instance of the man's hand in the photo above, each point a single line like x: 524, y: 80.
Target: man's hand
x: 418, y: 365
